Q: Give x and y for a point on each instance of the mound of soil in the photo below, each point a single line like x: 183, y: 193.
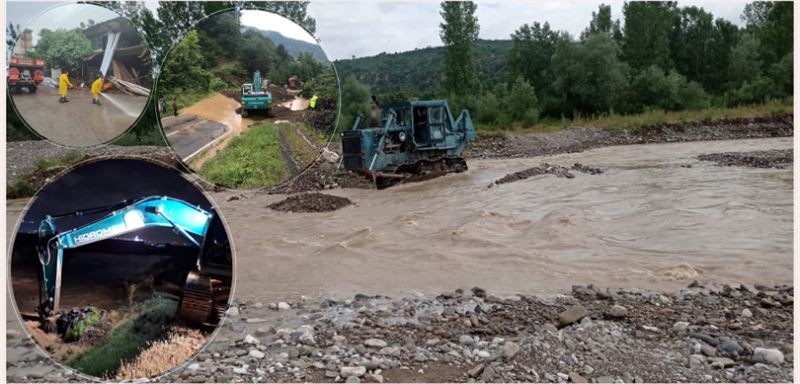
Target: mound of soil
x: 311, y: 202
x: 545, y: 168
x: 776, y: 158
x: 322, y: 175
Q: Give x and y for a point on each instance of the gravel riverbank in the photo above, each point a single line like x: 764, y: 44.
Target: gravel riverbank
x: 699, y: 334
x: 577, y: 139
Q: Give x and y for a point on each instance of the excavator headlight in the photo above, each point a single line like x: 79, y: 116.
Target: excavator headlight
x: 402, y: 137
x: 134, y: 219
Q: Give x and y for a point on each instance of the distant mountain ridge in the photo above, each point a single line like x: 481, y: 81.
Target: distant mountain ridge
x: 417, y: 72
x: 294, y: 46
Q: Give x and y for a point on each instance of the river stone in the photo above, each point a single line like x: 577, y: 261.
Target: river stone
x: 746, y: 313
x: 475, y: 371
x: 353, y: 380
x: 282, y: 306
x: 768, y: 356
x: 466, y: 340
x: 510, y: 349
x: 478, y: 292
x: 572, y: 314
x: 256, y: 353
x: 576, y: 378
x: 251, y: 340
x: 721, y: 362
x: 680, y: 326
x: 304, y: 335
x: 617, y: 311
x: 353, y: 371
x: 375, y: 343
x: 731, y: 346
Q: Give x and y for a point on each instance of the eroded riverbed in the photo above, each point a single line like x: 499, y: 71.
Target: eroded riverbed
x: 657, y: 218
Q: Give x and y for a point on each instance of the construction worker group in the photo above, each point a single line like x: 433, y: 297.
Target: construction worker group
x: 64, y: 85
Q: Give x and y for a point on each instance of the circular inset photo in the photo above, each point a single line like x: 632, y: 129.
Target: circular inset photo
x: 121, y: 269
x: 247, y: 99
x: 79, y: 75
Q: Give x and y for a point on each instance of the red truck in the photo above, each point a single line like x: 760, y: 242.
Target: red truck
x: 25, y: 72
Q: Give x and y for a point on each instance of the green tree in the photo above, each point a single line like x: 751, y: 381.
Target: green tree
x: 257, y: 52
x: 589, y: 77
x: 772, y: 24
x: 183, y: 69
x: 355, y: 99
x: 647, y: 31
x: 692, y: 42
x: 745, y: 63
x: 458, y: 32
x: 63, y: 49
x: 530, y: 55
x: 521, y: 103
x: 221, y: 38
x: 601, y: 21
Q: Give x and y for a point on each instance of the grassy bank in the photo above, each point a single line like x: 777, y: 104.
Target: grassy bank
x: 303, y: 153
x: 27, y: 185
x: 648, y: 118
x: 144, y: 323
x: 252, y: 159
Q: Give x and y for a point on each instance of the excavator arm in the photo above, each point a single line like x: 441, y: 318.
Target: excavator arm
x: 155, y: 211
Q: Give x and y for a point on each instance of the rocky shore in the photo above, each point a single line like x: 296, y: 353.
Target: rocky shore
x: 577, y: 139
x: 699, y: 334
x: 776, y: 158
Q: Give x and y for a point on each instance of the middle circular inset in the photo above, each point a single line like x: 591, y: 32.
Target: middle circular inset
x: 247, y: 99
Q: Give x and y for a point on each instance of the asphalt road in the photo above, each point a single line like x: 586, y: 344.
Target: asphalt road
x: 78, y: 123
x: 188, y: 135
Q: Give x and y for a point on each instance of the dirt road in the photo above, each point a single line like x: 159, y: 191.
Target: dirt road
x: 79, y: 123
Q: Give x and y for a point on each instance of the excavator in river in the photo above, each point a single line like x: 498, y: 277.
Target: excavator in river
x: 409, y: 141
x: 206, y: 289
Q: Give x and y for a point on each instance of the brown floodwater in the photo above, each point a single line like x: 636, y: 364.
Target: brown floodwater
x: 646, y: 222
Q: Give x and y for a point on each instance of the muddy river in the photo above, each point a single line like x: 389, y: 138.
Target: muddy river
x: 648, y: 221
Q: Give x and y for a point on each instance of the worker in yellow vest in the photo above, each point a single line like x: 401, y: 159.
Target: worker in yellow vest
x: 313, y: 103
x: 63, y: 85
x: 97, y: 87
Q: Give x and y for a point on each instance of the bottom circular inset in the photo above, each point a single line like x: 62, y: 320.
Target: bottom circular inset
x: 121, y: 269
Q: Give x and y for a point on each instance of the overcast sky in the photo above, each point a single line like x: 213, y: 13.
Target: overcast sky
x: 272, y: 22
x: 365, y: 28
x: 368, y: 28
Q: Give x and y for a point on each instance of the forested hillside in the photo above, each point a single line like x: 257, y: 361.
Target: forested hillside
x: 658, y: 57
x: 293, y: 46
x: 417, y: 72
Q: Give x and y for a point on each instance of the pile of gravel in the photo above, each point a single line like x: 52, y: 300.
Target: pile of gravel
x: 550, y: 169
x: 311, y: 202
x: 775, y: 158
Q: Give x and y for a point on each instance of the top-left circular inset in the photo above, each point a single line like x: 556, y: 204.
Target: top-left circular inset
x: 79, y: 75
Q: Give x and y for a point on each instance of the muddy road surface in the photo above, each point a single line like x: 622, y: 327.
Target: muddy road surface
x: 79, y: 123
x: 200, y: 140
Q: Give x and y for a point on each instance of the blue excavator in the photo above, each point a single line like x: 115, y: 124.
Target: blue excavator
x: 409, y: 141
x: 206, y: 290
